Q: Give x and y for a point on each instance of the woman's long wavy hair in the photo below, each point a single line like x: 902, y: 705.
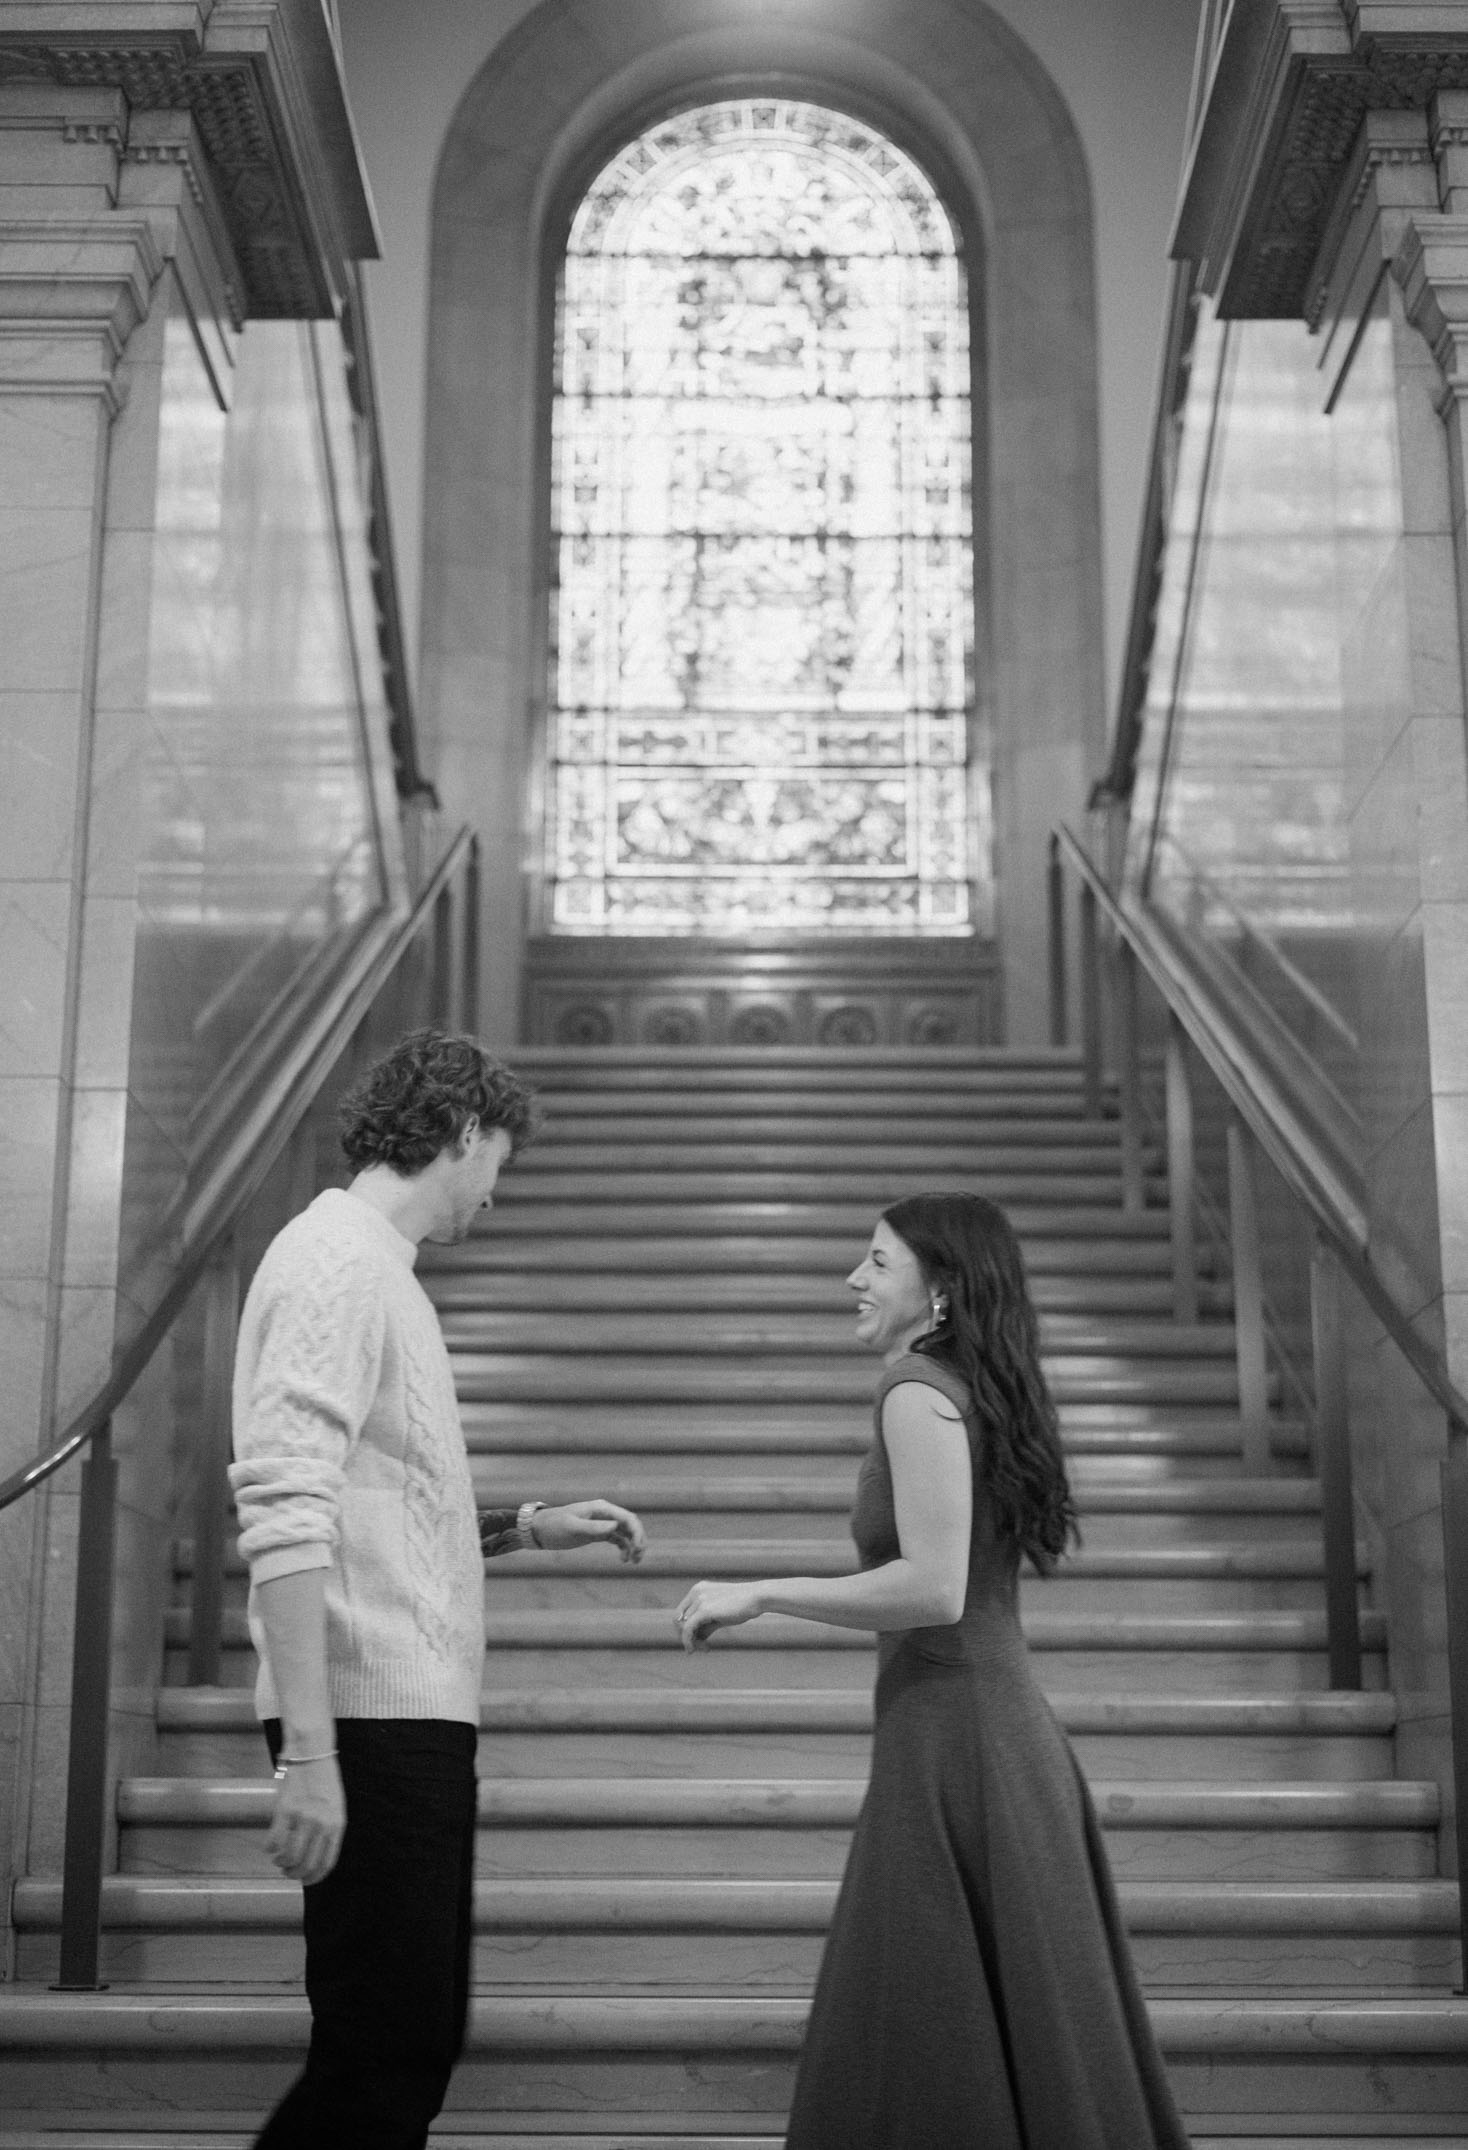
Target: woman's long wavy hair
x: 990, y: 1339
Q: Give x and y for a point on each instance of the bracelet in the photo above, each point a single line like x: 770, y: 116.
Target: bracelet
x: 283, y: 1762
x: 525, y: 1522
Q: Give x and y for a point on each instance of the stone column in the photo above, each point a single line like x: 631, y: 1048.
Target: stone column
x: 1431, y: 267
x: 193, y: 164
x: 78, y: 271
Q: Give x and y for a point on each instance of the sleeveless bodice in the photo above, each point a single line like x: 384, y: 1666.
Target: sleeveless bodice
x: 991, y: 1604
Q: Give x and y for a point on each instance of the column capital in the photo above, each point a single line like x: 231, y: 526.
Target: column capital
x: 1431, y: 265
x: 72, y: 290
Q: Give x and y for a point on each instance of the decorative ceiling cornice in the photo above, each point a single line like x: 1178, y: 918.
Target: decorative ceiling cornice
x: 1292, y: 83
x: 261, y: 82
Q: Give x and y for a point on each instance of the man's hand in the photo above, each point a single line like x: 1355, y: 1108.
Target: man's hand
x: 309, y: 1822
x: 560, y: 1530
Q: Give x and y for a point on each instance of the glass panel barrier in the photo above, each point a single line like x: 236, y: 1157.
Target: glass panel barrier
x: 1278, y: 618
x: 266, y: 736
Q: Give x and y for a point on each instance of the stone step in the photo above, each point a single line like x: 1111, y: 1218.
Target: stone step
x: 687, y: 1247
x: 1201, y: 1831
x: 1219, y: 1575
x: 871, y: 1120
x: 486, y: 2132
x: 694, y: 1067
x: 1294, y: 1559
x: 1340, y: 1713
x: 727, y: 1664
x: 860, y: 1187
x: 643, y: 1629
x: 1138, y: 1436
x: 1057, y: 1104
x: 669, y: 1378
x: 717, y: 1332
x: 673, y: 2071
x: 547, y: 1929
x: 460, y: 1291
x: 931, y: 1153
x: 743, y: 1213
x: 1099, y: 1480
x: 660, y: 1490
x: 758, y: 1732
x: 1261, y: 1654
x: 1102, y: 1487
x: 653, y: 1904
x: 781, y: 1805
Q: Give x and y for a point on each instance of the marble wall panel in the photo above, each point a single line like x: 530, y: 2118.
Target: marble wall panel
x: 1391, y: 1078
x: 30, y: 1122
x: 46, y: 569
x: 38, y: 764
x: 35, y: 932
x: 1450, y: 1134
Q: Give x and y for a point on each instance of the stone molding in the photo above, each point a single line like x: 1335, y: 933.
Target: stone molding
x: 1431, y: 265
x: 1292, y: 83
x: 262, y: 83
x: 616, y: 991
x: 72, y: 290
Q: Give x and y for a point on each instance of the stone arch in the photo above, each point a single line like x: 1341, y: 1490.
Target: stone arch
x: 954, y: 84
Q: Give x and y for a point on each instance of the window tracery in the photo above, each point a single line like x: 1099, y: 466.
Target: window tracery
x: 762, y: 603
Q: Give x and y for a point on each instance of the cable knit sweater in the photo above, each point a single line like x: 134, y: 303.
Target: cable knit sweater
x: 350, y: 1457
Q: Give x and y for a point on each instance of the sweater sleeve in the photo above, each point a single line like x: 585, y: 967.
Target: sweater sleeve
x: 309, y: 1365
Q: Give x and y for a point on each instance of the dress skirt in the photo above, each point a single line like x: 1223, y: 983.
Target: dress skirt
x: 977, y: 1992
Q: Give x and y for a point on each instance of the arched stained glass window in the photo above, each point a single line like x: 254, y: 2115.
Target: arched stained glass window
x: 762, y: 602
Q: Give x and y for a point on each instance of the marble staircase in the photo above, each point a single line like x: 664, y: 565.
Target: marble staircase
x: 656, y: 1311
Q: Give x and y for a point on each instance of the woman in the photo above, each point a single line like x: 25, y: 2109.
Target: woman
x: 976, y: 1987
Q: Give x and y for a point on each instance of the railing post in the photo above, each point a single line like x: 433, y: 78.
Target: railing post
x: 1055, y: 887
x: 206, y: 1594
x: 1129, y: 1077
x: 441, y: 977
x: 1248, y: 1268
x: 1333, y: 1460
x: 1455, y: 1566
x: 1090, y: 959
x: 91, y: 1691
x: 302, y: 1164
x: 1180, y: 1154
x: 470, y: 1015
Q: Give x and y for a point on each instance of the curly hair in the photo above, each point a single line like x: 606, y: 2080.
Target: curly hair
x: 415, y: 1102
x: 968, y: 1254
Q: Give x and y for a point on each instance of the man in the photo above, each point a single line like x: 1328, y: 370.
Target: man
x: 366, y: 1588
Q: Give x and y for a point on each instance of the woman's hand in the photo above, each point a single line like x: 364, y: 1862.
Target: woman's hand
x: 561, y: 1530
x: 309, y: 1821
x: 714, y: 1605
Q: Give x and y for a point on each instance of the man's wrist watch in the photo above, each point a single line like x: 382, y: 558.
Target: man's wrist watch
x: 525, y: 1524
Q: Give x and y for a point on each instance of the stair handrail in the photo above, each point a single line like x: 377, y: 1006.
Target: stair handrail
x: 1262, y: 1114
x: 209, y: 1222
x: 1279, y: 1128
x: 279, y: 1103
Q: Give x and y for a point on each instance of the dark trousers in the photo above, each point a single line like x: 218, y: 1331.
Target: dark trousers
x: 388, y: 1936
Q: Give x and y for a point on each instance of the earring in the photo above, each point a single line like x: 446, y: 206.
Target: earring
x: 940, y: 1310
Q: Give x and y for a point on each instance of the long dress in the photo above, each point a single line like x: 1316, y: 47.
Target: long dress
x: 976, y: 1991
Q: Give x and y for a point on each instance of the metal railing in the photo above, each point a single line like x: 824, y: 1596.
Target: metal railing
x: 1121, y: 944
x: 207, y: 1224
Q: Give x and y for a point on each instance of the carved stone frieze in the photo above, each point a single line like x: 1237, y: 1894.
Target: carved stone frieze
x: 260, y: 81
x: 605, y: 991
x: 1292, y: 83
